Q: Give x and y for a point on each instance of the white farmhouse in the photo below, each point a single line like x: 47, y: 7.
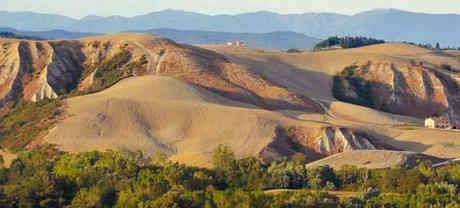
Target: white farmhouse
x: 438, y: 122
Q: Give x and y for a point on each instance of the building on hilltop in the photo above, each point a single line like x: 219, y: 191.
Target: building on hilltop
x: 237, y: 43
x: 438, y: 122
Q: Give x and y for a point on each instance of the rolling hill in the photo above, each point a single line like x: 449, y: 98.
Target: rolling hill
x: 216, y: 88
x: 311, y: 74
x: 141, y: 92
x: 186, y: 123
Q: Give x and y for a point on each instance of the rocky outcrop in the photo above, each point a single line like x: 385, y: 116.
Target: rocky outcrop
x: 35, y: 70
x: 412, y: 90
x: 38, y: 70
x: 316, y: 143
x: 9, y: 71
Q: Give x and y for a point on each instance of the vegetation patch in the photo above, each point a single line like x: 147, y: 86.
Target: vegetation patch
x: 346, y: 42
x: 350, y: 86
x: 449, y: 68
x: 26, y: 122
x: 116, y: 62
x: 49, y: 178
x: 113, y: 70
x: 15, y: 36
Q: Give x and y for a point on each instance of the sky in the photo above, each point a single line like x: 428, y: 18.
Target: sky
x: 81, y: 8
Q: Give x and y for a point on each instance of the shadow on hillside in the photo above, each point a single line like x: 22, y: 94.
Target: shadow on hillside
x: 251, y: 87
x: 310, y: 83
x: 267, y: 103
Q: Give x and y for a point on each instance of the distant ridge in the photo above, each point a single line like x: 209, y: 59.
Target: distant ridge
x: 276, y: 40
x: 33, y: 21
x: 387, y: 24
x: 50, y: 34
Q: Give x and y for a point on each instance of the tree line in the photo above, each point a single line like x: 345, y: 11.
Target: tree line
x: 347, y: 42
x: 5, y: 34
x: 49, y: 178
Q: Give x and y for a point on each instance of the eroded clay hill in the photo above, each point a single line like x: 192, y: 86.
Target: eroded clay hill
x: 407, y: 89
x: 34, y: 70
x: 406, y: 79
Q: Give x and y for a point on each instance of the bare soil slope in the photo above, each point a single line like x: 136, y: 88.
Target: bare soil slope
x: 186, y: 122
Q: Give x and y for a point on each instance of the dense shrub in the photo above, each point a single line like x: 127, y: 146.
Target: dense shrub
x: 350, y: 86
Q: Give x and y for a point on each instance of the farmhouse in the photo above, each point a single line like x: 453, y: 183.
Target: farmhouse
x: 237, y: 43
x: 439, y: 122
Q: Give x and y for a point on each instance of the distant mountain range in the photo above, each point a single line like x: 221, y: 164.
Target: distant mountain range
x: 388, y: 24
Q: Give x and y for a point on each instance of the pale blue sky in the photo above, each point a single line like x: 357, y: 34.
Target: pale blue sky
x: 81, y: 8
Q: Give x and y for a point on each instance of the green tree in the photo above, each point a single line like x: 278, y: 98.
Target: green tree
x: 350, y: 176
x: 223, y: 158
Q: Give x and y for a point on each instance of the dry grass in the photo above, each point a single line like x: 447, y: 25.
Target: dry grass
x: 163, y: 114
